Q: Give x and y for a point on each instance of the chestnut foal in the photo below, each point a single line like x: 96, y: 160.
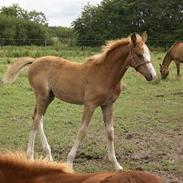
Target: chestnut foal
x: 95, y: 83
x: 15, y: 169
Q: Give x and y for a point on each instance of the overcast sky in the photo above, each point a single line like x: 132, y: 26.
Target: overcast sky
x: 58, y: 12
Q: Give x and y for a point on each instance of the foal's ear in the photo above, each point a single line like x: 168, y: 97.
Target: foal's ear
x: 144, y: 36
x: 134, y: 38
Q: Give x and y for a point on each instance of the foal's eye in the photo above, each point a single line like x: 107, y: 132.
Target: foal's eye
x: 140, y: 55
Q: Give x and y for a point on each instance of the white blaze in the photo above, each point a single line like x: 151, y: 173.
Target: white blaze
x: 147, y: 58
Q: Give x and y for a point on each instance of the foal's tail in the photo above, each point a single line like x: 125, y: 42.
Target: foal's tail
x: 15, y: 68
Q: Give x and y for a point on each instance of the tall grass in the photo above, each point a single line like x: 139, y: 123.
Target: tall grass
x: 35, y: 51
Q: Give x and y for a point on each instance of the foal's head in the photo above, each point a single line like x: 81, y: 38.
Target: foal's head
x: 140, y: 58
x: 164, y: 72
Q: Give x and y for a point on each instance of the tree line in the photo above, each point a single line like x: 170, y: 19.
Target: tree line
x: 17, y: 23
x: 111, y: 19
x: 22, y: 27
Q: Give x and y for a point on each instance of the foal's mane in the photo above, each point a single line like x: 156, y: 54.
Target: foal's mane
x: 18, y: 162
x: 113, y: 44
x: 110, y: 46
x: 169, y: 51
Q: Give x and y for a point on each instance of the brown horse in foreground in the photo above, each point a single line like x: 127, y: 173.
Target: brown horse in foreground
x: 95, y: 83
x: 175, y: 53
x: 14, y: 169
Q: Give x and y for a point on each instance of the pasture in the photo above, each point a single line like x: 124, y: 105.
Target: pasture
x: 148, y: 119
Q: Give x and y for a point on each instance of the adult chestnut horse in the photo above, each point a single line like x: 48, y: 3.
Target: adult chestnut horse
x: 93, y: 83
x: 175, y: 53
x: 14, y: 169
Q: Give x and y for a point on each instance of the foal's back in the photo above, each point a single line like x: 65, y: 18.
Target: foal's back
x: 177, y: 51
x: 64, y: 78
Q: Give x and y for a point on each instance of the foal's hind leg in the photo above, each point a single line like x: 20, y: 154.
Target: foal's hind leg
x: 107, y: 117
x: 88, y: 112
x: 37, y: 125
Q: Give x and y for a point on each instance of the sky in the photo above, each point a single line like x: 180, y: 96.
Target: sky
x: 58, y: 12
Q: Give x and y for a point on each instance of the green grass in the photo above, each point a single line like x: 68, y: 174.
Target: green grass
x: 34, y: 51
x: 148, y: 118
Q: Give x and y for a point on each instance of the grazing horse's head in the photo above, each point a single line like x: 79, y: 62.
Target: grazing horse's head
x: 140, y: 56
x: 163, y: 71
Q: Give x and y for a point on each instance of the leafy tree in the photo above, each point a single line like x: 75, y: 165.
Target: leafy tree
x: 37, y: 17
x: 17, y: 23
x: 87, y: 26
x: 116, y: 18
x: 14, y: 11
x: 61, y: 32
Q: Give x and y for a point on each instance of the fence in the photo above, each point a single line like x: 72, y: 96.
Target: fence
x: 18, y: 42
x: 163, y: 43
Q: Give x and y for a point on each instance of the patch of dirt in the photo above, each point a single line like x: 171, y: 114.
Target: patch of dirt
x: 156, y: 157
x: 171, y: 177
x: 149, y: 150
x: 160, y: 95
x: 81, y: 156
x: 178, y: 93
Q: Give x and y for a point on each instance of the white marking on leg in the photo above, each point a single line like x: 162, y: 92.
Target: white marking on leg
x: 110, y: 147
x: 30, y: 147
x: 80, y: 136
x: 107, y: 117
x: 45, y: 145
x: 72, y: 154
x: 147, y: 58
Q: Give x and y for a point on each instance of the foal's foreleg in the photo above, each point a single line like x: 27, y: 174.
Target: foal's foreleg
x: 88, y: 112
x: 107, y: 117
x: 178, y: 69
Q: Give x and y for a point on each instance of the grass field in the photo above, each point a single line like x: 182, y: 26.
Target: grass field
x: 148, y: 119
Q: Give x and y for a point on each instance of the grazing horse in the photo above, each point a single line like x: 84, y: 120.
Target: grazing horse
x: 175, y: 53
x: 93, y: 83
x: 14, y: 169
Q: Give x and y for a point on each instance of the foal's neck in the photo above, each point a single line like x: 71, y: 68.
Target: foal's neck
x: 167, y: 60
x: 116, y: 63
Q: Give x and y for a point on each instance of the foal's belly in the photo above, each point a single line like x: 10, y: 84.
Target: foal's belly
x: 69, y: 92
x: 68, y: 84
x: 73, y: 99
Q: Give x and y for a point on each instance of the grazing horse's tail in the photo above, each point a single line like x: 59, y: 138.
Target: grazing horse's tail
x: 15, y: 68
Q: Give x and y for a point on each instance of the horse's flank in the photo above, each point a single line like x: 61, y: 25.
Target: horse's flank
x: 16, y: 169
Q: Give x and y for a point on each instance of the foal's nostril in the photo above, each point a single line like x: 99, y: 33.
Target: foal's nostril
x: 149, y: 77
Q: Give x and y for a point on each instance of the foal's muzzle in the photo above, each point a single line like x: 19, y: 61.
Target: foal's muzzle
x: 149, y: 77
